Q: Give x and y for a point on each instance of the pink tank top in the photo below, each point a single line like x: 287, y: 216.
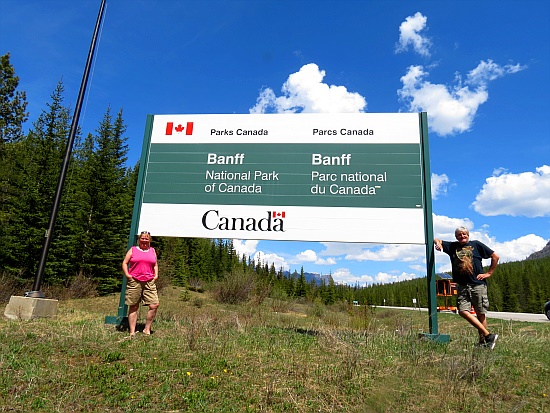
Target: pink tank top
x: 142, y: 264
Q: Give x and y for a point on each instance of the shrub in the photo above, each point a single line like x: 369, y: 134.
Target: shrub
x: 317, y: 309
x: 185, y: 296
x: 163, y: 282
x: 235, y: 288
x: 279, y: 300
x: 196, y: 285
x: 198, y: 302
x: 261, y: 292
x: 82, y: 287
x: 12, y: 285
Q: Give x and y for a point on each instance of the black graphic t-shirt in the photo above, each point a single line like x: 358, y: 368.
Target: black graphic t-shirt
x: 466, y: 260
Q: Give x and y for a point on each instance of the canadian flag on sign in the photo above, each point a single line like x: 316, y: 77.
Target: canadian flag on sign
x: 179, y: 128
x: 278, y: 214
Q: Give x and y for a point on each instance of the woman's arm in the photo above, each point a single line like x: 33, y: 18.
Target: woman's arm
x: 125, y: 264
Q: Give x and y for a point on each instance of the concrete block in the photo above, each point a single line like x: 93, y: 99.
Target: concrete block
x: 26, y: 308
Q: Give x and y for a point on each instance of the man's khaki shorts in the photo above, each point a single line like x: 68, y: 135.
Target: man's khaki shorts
x: 473, y: 295
x: 144, y: 291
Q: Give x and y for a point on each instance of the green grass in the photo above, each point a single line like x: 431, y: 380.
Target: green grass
x: 244, y: 358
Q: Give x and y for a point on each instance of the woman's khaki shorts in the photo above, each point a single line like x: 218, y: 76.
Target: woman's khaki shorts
x: 144, y: 291
x: 473, y: 295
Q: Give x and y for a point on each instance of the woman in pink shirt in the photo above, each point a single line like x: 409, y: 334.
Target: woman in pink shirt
x: 141, y: 270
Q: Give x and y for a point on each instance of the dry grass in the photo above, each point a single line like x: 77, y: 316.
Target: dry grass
x: 249, y: 358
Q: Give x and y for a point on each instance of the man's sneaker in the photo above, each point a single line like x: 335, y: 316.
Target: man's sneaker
x: 491, y: 340
x: 481, y: 341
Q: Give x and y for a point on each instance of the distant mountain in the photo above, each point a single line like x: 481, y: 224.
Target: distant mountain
x: 310, y: 276
x: 545, y: 252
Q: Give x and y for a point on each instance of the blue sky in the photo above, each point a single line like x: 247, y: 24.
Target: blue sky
x: 481, y: 70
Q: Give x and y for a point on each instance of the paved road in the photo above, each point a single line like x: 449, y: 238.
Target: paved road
x: 533, y: 318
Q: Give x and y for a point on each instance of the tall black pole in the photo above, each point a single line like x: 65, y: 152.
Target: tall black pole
x: 63, y: 173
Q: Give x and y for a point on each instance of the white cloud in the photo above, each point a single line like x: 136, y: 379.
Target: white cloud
x: 440, y: 185
x: 385, y: 278
x: 269, y: 259
x: 420, y: 268
x: 310, y: 256
x: 344, y: 276
x: 409, y: 34
x: 265, y: 100
x: 488, y: 70
x: 444, y: 227
x: 451, y: 109
x: 524, y: 194
x: 307, y: 256
x: 304, y: 91
x: 248, y: 247
x: 389, y: 252
x: 341, y: 248
x: 519, y: 249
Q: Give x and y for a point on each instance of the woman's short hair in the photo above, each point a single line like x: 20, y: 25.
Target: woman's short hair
x: 462, y: 229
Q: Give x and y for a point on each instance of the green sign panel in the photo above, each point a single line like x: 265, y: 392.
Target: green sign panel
x: 330, y: 175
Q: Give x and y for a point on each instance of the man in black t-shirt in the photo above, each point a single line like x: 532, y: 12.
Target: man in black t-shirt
x: 468, y: 273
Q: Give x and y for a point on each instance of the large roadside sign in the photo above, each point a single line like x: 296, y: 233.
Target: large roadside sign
x: 362, y: 177
x: 302, y: 177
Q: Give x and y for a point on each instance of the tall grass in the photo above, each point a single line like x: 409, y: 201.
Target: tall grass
x: 249, y: 358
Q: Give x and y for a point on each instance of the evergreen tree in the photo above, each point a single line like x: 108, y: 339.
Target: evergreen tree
x: 200, y: 259
x: 12, y: 117
x: 233, y: 259
x: 173, y: 257
x: 290, y: 284
x: 13, y: 103
x: 272, y: 273
x: 301, y: 284
x: 330, y: 294
x: 108, y: 204
x: 495, y: 295
x: 63, y: 255
x: 36, y: 171
x: 531, y: 296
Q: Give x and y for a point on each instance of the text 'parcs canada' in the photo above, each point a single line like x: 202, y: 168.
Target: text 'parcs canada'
x: 343, y: 132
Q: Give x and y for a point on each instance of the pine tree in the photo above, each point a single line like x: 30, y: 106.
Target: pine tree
x: 107, y: 206
x: 330, y: 293
x: 36, y: 171
x: 200, y: 259
x: 13, y: 104
x: 290, y: 284
x: 173, y: 257
x: 301, y: 284
x: 62, y: 257
x: 12, y: 117
x: 272, y: 273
